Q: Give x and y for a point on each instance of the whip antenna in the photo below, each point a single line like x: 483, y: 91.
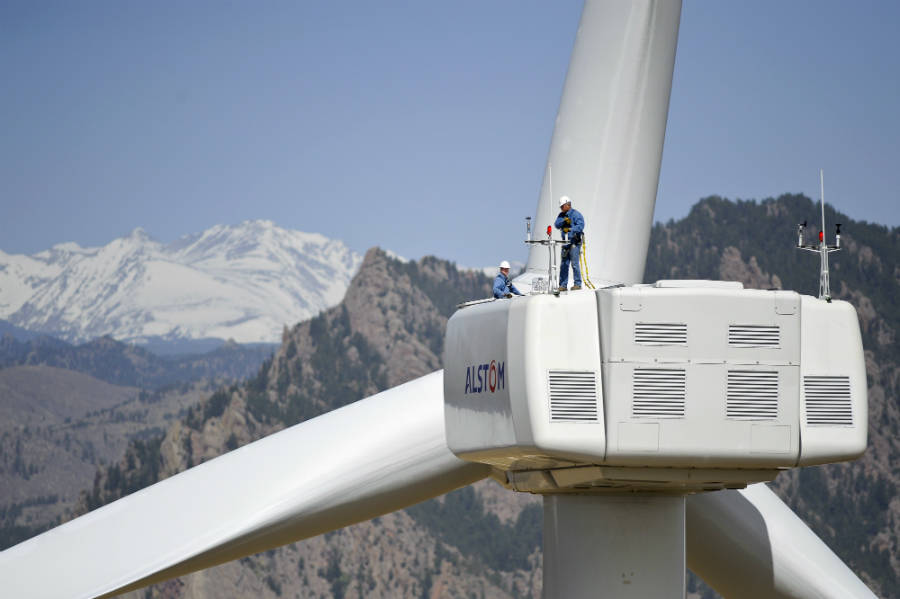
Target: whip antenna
x: 822, y: 247
x: 550, y: 178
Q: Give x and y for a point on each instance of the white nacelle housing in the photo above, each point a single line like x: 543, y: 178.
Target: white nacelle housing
x: 669, y: 378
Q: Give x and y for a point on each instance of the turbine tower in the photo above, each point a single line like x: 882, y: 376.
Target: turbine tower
x: 636, y: 430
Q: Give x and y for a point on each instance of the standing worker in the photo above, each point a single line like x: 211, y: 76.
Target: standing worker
x: 503, y: 287
x: 571, y: 223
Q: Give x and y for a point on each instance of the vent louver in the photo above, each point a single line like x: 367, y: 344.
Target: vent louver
x: 658, y: 393
x: 660, y: 333
x: 752, y: 395
x: 828, y: 400
x: 754, y: 335
x: 573, y: 396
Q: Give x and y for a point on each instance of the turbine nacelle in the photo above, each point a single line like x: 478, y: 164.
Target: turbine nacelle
x: 681, y: 386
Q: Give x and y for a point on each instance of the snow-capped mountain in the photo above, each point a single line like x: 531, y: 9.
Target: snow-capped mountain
x: 243, y: 282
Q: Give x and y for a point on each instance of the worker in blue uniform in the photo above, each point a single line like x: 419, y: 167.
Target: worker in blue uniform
x: 571, y: 223
x: 503, y: 287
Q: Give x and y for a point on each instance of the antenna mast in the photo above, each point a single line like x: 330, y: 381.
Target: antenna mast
x: 822, y: 247
x: 824, y: 281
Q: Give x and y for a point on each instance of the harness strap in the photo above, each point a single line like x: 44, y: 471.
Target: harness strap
x: 583, y: 260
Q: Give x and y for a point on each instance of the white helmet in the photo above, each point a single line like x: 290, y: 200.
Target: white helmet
x: 504, y: 264
x: 564, y: 200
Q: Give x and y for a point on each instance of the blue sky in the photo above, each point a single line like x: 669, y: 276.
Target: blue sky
x: 420, y: 127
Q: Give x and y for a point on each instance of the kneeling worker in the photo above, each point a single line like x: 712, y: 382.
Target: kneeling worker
x: 503, y: 287
x: 571, y: 223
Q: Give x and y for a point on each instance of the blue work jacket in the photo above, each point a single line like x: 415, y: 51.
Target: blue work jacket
x: 502, y: 286
x: 577, y: 225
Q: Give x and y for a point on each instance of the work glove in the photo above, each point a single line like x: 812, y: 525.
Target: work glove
x: 565, y: 229
x: 567, y: 220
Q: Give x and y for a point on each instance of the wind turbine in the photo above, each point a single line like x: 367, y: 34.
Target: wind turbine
x: 612, y: 529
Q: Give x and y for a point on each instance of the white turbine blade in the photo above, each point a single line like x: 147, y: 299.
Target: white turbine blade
x: 749, y: 544
x: 369, y: 458
x: 607, y: 143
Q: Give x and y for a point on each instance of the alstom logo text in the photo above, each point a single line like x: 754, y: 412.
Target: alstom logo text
x: 486, y: 377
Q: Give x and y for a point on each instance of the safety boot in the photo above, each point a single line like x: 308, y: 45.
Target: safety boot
x: 575, y: 288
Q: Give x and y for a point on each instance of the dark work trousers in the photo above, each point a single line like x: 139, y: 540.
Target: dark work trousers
x: 571, y: 257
